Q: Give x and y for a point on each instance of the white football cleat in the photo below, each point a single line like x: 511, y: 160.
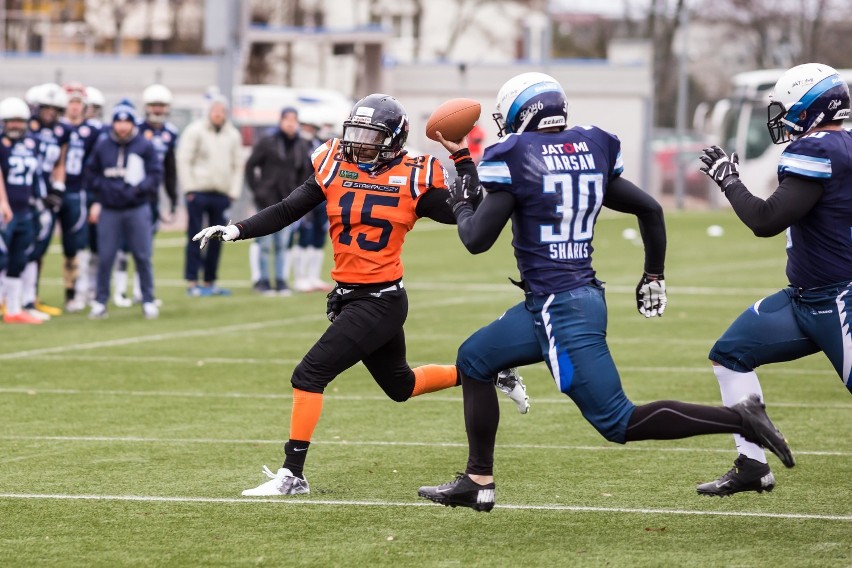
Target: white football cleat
x: 121, y: 301
x: 511, y: 383
x: 281, y: 483
x: 98, y: 311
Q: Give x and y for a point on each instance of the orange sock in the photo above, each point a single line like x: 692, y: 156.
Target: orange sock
x: 431, y: 378
x: 307, y: 407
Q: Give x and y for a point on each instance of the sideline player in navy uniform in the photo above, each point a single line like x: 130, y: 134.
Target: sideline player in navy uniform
x: 813, y: 203
x: 52, y: 136
x: 74, y: 212
x: 19, y: 163
x: 552, y: 182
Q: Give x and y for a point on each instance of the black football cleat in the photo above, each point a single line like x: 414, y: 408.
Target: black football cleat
x: 746, y: 475
x: 759, y: 429
x: 461, y: 492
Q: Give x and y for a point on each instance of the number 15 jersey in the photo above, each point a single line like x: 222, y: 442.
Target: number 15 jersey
x: 369, y: 215
x: 558, y: 181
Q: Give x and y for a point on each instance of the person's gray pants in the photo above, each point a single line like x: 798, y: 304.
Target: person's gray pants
x: 132, y: 226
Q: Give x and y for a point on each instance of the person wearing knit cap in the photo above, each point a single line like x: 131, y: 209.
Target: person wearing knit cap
x: 124, y: 173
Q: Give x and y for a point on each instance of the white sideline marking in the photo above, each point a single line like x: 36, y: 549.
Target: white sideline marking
x: 149, y: 440
x: 215, y: 330
x: 336, y: 397
x: 287, y: 501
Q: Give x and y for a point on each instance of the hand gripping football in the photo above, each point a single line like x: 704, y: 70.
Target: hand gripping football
x: 453, y: 119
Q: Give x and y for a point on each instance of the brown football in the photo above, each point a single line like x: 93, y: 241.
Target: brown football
x: 453, y: 119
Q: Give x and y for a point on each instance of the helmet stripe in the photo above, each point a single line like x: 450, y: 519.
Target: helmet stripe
x: 524, y: 97
x: 813, y: 94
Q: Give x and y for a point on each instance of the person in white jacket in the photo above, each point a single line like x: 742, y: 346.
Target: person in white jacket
x: 210, y: 172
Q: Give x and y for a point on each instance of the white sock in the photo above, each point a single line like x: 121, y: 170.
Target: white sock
x: 82, y: 284
x: 120, y: 282
x: 735, y: 386
x: 254, y: 261
x: 2, y: 286
x: 289, y: 259
x: 314, y: 265
x: 300, y: 268
x: 14, y: 289
x: 29, y: 277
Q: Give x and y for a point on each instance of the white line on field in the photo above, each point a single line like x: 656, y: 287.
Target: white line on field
x: 179, y: 441
x: 327, y: 502
x: 207, y: 331
x: 200, y: 361
x: 333, y: 397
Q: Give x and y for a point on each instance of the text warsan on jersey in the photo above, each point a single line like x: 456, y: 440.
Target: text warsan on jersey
x: 562, y: 157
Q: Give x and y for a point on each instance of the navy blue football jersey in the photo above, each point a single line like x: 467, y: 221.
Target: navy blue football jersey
x: 50, y: 139
x: 819, y: 246
x: 558, y: 181
x: 81, y: 140
x: 163, y: 138
x: 20, y: 164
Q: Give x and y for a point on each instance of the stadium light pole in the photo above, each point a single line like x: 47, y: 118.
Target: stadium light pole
x: 680, y: 110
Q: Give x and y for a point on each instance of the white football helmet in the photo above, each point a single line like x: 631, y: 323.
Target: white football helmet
x: 14, y: 108
x: 31, y: 97
x: 805, y: 97
x: 530, y: 101
x: 156, y: 95
x: 51, y: 95
x: 94, y: 97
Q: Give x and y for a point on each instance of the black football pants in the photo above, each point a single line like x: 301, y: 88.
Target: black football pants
x: 368, y: 329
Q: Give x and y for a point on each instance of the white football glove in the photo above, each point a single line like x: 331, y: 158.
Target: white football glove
x: 219, y: 232
x: 651, y: 295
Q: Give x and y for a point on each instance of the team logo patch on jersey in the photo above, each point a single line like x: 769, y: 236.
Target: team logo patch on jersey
x: 29, y: 143
x: 58, y: 130
x: 348, y: 175
x: 166, y: 136
x: 371, y: 186
x: 398, y: 180
x: 84, y: 131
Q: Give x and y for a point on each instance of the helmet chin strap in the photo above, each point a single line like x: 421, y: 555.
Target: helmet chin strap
x: 526, y: 122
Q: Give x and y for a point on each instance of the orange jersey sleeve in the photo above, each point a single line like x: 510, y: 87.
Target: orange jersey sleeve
x: 370, y: 215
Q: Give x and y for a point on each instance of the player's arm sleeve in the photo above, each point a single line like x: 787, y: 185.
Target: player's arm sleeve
x: 275, y: 217
x: 791, y: 201
x: 170, y: 178
x: 433, y: 204
x: 624, y: 196
x: 479, y: 230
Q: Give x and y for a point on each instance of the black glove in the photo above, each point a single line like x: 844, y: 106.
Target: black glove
x: 333, y: 305
x: 721, y: 168
x: 461, y: 192
x: 53, y: 200
x: 651, y: 295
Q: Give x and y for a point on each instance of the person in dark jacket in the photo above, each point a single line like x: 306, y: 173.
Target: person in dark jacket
x: 277, y: 165
x: 124, y: 174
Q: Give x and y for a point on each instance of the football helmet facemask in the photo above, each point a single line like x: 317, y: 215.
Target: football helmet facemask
x: 814, y: 89
x: 375, y: 132
x: 530, y: 101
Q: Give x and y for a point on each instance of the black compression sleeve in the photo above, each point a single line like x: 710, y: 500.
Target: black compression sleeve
x: 433, y: 204
x: 478, y: 231
x: 791, y: 201
x: 624, y: 196
x: 275, y: 217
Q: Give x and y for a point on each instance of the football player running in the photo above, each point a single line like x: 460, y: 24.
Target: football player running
x: 813, y: 203
x: 375, y: 193
x: 552, y: 181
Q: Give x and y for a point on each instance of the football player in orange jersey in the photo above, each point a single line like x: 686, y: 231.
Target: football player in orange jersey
x: 375, y: 193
